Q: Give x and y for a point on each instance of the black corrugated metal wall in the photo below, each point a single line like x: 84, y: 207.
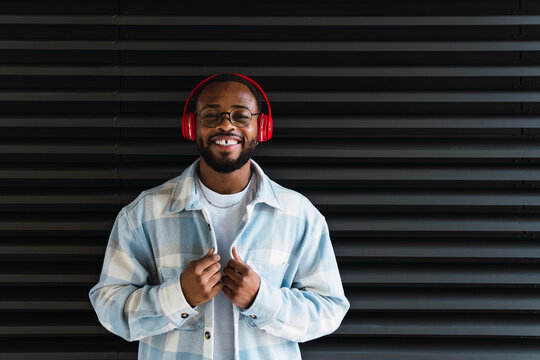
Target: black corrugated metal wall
x: 413, y: 126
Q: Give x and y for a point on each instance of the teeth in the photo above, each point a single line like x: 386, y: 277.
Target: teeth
x: 226, y: 142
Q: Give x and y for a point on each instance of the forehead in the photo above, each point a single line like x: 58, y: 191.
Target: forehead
x: 226, y: 93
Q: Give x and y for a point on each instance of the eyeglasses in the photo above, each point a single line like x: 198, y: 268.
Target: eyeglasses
x: 239, y: 117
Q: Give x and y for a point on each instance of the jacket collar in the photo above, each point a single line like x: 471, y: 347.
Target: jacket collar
x: 186, y: 196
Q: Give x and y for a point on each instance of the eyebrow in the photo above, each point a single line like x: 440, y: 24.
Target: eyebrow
x: 217, y: 106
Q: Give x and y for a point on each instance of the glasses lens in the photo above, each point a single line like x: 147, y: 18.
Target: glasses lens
x: 210, y: 117
x: 239, y: 117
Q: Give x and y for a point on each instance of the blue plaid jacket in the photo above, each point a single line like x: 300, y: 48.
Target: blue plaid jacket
x: 282, y: 236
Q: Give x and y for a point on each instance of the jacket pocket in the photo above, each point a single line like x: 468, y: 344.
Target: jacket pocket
x: 193, y: 322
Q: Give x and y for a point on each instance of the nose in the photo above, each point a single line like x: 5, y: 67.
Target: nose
x: 226, y: 124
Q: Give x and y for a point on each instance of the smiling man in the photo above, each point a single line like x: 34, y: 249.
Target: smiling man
x: 221, y: 262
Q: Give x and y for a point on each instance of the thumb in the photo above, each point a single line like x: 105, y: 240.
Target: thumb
x: 235, y: 254
x: 210, y: 252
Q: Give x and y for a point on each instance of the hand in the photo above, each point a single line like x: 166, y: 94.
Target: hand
x: 200, y: 279
x: 241, y: 282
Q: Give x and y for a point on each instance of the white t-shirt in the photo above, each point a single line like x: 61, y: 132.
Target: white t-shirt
x: 225, y: 224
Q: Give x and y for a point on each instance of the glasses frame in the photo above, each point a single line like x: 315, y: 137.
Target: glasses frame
x: 229, y: 117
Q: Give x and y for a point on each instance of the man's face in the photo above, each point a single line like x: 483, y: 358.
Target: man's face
x: 226, y: 96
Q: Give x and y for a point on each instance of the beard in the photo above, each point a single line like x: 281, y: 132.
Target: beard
x: 219, y: 163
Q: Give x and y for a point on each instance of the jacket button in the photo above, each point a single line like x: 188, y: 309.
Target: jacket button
x: 253, y: 316
x: 207, y: 334
x: 184, y: 315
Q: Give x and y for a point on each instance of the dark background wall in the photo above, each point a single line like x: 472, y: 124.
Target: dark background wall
x: 412, y: 125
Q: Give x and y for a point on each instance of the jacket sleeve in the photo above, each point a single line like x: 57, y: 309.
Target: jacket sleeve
x: 314, y: 305
x: 125, y: 303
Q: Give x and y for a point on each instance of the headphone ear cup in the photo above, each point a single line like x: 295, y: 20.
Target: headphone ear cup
x: 188, y: 126
x: 261, y: 124
x: 191, y: 126
x: 269, y: 127
x: 265, y: 127
x: 184, y: 126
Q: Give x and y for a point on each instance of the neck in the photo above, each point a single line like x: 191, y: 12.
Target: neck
x: 224, y: 183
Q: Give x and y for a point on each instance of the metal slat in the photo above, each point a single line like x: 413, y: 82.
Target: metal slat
x: 45, y: 305
x: 274, y: 72
x: 285, y: 97
x: 58, y: 120
x: 433, y: 348
x: 273, y: 46
x: 437, y: 275
x: 438, y: 327
x: 435, y: 224
x: 48, y: 279
x: 53, y: 330
x: 502, y: 300
x: 434, y: 250
x: 51, y: 250
x: 498, y: 20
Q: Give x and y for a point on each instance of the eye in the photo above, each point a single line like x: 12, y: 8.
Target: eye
x: 241, y: 114
x: 210, y: 116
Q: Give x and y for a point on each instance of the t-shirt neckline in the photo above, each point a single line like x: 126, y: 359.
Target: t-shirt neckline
x: 223, y: 199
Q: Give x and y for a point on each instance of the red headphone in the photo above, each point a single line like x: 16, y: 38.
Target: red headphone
x: 264, y: 121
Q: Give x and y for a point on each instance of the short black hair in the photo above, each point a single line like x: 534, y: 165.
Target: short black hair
x: 261, y: 102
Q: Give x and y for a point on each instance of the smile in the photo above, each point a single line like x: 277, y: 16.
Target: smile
x: 225, y: 142
x: 225, y: 146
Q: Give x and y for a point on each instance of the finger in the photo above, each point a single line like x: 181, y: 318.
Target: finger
x: 211, y: 270
x: 209, y: 254
x: 229, y: 271
x: 206, y: 261
x: 228, y: 292
x: 240, y: 266
x: 235, y: 255
x: 228, y: 282
x: 215, y: 278
x: 217, y: 288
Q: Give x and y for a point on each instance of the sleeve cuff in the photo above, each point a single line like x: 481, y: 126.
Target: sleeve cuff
x: 265, y: 306
x: 173, y: 303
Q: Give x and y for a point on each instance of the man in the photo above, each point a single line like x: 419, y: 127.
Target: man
x: 161, y: 282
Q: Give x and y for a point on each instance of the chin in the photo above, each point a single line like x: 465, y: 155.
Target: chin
x: 224, y: 164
